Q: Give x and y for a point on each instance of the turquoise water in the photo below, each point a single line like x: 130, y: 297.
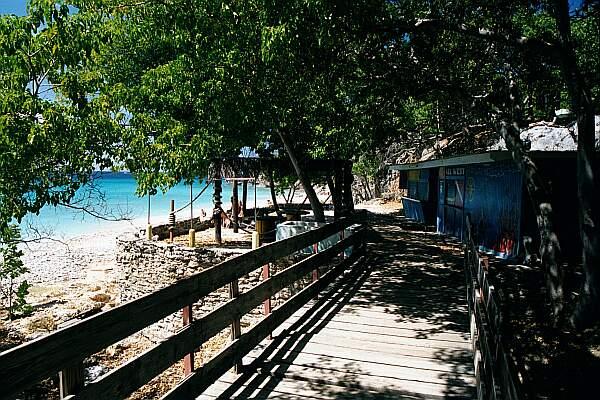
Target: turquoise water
x: 115, y: 197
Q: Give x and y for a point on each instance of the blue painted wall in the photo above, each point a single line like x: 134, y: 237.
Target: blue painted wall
x: 493, y: 203
x: 413, y: 209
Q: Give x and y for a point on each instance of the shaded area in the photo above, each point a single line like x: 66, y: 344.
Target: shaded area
x: 395, y: 326
x: 552, y: 362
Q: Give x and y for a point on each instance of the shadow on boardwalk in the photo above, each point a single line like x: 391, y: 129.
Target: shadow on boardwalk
x: 394, y: 327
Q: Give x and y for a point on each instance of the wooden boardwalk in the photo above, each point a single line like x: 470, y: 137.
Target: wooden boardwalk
x: 395, y: 326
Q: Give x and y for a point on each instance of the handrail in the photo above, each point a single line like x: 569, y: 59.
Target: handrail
x: 28, y: 363
x: 494, y: 376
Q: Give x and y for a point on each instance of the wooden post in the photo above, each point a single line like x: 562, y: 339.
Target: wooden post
x: 71, y: 380
x: 235, y: 206
x: 172, y: 221
x: 191, y: 206
x: 342, y: 234
x: 192, y: 241
x: 236, y: 328
x: 188, y: 360
x: 217, y: 210
x: 244, y: 196
x: 149, y: 227
x: 315, y: 272
x: 266, y: 273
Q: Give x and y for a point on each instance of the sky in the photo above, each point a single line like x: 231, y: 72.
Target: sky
x: 12, y: 7
x: 18, y: 6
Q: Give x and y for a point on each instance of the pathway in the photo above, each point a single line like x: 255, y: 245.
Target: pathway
x: 394, y: 327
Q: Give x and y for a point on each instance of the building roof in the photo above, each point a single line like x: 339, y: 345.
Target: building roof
x: 546, y: 138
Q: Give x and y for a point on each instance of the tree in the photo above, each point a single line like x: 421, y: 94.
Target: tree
x: 53, y: 131
x: 11, y: 268
x: 181, y: 73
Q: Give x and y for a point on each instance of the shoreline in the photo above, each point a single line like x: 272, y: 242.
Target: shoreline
x: 88, y: 256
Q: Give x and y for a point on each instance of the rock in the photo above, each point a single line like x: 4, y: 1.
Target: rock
x: 100, y: 297
x: 93, y: 372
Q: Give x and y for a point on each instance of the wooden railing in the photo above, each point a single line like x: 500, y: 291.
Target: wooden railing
x: 64, y: 350
x: 494, y: 374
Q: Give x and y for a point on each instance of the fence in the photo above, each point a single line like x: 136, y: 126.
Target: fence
x: 494, y: 374
x: 64, y: 351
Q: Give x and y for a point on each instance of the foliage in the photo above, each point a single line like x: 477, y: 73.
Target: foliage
x: 367, y: 165
x: 11, y: 268
x: 53, y: 130
x: 163, y: 86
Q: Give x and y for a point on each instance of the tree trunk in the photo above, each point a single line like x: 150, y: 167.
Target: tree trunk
x: 348, y: 178
x: 217, y: 210
x: 315, y: 204
x: 244, y: 196
x: 334, y: 189
x: 376, y: 187
x: 587, y: 310
x: 235, y: 206
x: 367, y: 187
x: 273, y: 194
x: 339, y: 208
x: 541, y: 200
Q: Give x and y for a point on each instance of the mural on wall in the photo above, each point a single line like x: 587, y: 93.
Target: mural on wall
x: 493, y: 204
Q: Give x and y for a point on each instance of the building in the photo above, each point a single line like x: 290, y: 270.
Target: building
x: 488, y: 190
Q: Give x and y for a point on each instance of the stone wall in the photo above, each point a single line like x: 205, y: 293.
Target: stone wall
x: 181, y: 227
x: 145, y: 266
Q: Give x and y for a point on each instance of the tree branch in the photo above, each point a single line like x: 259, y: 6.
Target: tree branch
x: 551, y: 50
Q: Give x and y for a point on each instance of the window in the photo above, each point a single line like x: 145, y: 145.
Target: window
x: 455, y: 192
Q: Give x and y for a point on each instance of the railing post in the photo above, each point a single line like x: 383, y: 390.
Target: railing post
x: 315, y: 272
x: 342, y: 238
x: 71, y: 380
x: 236, y: 328
x: 217, y: 210
x: 266, y: 273
x: 188, y: 360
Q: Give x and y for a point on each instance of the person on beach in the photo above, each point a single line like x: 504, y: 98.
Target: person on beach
x: 225, y: 220
x: 241, y: 210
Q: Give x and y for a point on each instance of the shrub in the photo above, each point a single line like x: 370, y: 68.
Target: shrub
x: 11, y: 268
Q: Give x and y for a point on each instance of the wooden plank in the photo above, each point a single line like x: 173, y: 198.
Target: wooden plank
x: 352, y: 352
x: 258, y: 386
x: 353, y: 376
x: 366, y: 317
x: 218, y: 365
x: 385, y: 339
x: 188, y: 360
x: 135, y: 373
x: 28, y: 363
x: 71, y: 380
x: 394, y: 334
x: 338, y: 366
x: 236, y: 328
x: 394, y: 349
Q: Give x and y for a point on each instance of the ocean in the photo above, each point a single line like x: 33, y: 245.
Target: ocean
x: 114, y: 197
